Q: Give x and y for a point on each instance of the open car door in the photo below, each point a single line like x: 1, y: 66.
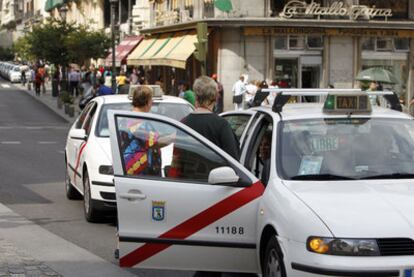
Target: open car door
x: 183, y: 203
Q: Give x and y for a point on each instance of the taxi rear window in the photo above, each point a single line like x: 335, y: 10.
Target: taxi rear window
x: 345, y: 148
x: 175, y: 111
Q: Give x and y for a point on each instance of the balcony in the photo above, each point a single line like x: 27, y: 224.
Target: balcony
x: 208, y: 9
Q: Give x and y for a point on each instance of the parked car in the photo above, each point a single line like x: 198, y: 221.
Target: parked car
x: 89, y: 171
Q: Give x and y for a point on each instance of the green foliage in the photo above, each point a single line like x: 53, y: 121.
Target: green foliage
x: 21, y: 48
x: 84, y: 44
x: 6, y: 54
x: 62, y: 43
x: 65, y: 97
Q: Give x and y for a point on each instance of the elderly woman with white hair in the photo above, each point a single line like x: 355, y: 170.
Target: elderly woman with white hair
x: 207, y: 123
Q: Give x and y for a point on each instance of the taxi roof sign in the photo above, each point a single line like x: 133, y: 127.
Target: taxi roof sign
x: 346, y: 103
x: 156, y: 90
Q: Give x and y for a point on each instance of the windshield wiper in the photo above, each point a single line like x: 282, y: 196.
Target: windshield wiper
x: 321, y: 177
x: 400, y: 175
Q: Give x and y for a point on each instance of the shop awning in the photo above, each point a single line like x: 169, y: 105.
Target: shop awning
x: 51, y: 4
x: 127, y: 45
x: 168, y: 50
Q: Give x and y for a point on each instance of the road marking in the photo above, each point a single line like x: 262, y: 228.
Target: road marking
x: 10, y: 142
x: 34, y: 127
x: 46, y: 142
x: 5, y: 85
x: 61, y: 152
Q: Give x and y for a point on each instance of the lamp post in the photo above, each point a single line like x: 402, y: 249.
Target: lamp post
x: 113, y: 6
x: 63, y: 11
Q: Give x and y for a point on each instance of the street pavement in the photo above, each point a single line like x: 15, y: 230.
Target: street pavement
x: 27, y: 249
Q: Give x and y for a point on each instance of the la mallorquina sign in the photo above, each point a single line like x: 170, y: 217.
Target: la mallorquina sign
x: 297, y: 8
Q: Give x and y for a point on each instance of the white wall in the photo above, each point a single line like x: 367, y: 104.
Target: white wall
x: 231, y: 63
x: 341, y: 58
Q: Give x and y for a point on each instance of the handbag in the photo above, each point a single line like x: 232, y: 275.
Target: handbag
x: 237, y: 99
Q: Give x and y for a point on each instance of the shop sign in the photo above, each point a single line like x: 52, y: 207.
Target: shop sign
x: 166, y: 17
x: 353, y: 32
x: 297, y: 8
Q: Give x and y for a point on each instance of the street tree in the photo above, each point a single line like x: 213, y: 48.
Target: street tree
x: 62, y: 43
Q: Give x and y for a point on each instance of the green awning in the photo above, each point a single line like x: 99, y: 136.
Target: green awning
x: 51, y: 4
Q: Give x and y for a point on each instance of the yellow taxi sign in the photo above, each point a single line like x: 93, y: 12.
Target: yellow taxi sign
x: 347, y: 103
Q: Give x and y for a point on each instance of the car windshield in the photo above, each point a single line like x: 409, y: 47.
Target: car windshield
x: 176, y: 111
x: 346, y: 149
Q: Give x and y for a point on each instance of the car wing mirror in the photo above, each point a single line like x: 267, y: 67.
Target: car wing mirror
x: 78, y: 134
x: 224, y: 175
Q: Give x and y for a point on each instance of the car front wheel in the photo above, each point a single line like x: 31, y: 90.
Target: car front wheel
x: 91, y: 212
x: 273, y: 260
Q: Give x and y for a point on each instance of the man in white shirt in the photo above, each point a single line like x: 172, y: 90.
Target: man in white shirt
x: 239, y: 89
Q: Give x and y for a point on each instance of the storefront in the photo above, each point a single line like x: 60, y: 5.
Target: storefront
x: 298, y: 44
x: 167, y: 58
x: 122, y: 50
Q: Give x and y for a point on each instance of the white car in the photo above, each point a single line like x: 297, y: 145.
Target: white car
x: 338, y: 200
x: 88, y: 155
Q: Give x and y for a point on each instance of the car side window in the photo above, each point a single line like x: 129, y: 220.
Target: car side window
x: 89, y: 119
x: 258, y: 157
x: 154, y: 149
x: 238, y: 123
x: 83, y: 115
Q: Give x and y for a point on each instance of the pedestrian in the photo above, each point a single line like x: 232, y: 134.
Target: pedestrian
x: 74, y: 78
x: 218, y: 108
x: 104, y: 89
x: 37, y: 82
x: 142, y: 142
x: 121, y: 80
x: 374, y: 86
x: 133, y: 78
x: 207, y: 123
x: 211, y: 126
x: 189, y: 95
x: 42, y: 71
x: 23, y: 70
x: 239, y: 89
x: 264, y: 156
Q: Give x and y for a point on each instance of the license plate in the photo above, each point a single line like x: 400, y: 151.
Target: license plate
x: 409, y: 273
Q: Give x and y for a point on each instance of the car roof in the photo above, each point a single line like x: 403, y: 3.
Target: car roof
x: 123, y: 98
x: 296, y: 111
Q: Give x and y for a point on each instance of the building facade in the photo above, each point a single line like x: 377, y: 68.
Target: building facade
x: 302, y: 44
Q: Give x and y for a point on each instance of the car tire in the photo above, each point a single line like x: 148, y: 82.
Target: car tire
x: 273, y: 265
x: 92, y: 214
x: 71, y: 192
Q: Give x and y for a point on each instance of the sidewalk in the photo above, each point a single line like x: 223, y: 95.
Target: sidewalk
x: 50, y: 101
x: 28, y: 250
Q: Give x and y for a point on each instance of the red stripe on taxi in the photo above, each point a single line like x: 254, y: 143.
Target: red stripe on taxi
x: 78, y: 160
x: 195, y: 224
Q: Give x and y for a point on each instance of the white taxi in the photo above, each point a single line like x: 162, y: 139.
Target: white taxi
x: 88, y: 157
x: 330, y: 194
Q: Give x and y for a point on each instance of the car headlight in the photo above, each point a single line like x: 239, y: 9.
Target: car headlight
x: 106, y: 170
x: 343, y: 247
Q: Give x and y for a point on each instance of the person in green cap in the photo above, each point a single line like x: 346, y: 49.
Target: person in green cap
x: 188, y: 94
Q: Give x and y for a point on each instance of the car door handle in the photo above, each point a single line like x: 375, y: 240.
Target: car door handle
x: 133, y: 195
